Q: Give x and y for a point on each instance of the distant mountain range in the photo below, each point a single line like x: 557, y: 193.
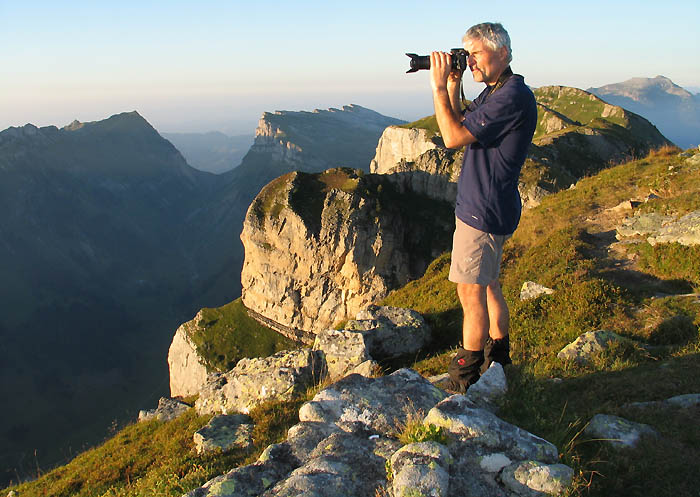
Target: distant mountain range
x: 213, y: 152
x: 108, y: 241
x: 674, y: 110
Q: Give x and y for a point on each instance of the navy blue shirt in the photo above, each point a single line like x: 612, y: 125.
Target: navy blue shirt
x: 503, y: 124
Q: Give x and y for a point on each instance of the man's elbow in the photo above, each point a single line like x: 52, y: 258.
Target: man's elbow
x: 451, y: 142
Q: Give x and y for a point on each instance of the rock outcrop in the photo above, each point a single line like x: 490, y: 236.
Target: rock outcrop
x: 319, y: 248
x: 379, y: 332
x: 618, y: 432
x: 280, y: 376
x: 346, y: 444
x: 188, y: 371
x: 168, y: 409
x: 659, y: 228
x: 585, y: 347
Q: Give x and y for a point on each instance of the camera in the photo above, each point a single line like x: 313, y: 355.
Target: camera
x: 459, y: 60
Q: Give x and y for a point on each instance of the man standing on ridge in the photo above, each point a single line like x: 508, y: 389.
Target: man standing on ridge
x: 497, y: 128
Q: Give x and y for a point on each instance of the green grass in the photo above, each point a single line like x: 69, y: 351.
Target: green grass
x: 428, y: 123
x: 227, y: 334
x: 154, y: 458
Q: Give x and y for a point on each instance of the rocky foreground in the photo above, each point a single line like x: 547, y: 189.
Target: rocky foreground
x: 345, y: 444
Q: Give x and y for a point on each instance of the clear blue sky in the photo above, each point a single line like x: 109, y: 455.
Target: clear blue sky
x: 215, y: 65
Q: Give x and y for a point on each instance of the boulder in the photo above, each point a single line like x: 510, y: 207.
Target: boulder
x: 167, y: 410
x: 684, y: 401
x: 342, y: 350
x: 225, y: 432
x: 589, y: 344
x: 534, y: 479
x: 391, y: 332
x: 421, y: 469
x: 374, y: 405
x: 618, y: 432
x: 253, y: 381
x: 532, y: 290
x: 643, y: 224
x: 460, y: 418
x: 490, y: 389
x: 346, y: 444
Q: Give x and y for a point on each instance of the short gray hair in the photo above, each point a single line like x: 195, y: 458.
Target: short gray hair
x: 493, y: 34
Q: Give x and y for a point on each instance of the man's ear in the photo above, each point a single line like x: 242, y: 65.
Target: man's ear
x: 504, y: 53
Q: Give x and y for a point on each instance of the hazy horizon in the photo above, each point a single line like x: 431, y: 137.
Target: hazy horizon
x: 217, y: 66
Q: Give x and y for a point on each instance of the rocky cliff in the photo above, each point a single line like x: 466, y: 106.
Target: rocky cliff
x: 321, y: 247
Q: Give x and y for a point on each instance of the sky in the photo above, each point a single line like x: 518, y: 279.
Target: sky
x: 218, y: 65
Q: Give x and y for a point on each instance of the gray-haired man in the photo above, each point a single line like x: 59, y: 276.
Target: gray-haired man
x: 497, y: 128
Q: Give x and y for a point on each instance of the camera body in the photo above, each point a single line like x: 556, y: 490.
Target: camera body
x: 459, y: 60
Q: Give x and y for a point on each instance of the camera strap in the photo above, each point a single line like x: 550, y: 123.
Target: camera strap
x: 505, y: 76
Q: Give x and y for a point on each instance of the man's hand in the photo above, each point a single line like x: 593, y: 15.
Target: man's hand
x: 445, y: 84
x: 441, y: 74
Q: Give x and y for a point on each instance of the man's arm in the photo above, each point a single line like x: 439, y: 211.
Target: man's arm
x: 447, y: 102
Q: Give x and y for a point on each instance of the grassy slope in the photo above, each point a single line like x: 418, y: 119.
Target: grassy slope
x: 562, y: 244
x: 227, y: 334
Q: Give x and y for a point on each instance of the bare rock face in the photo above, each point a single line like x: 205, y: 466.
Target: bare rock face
x: 417, y: 161
x: 400, y: 144
x: 321, y: 247
x: 188, y: 372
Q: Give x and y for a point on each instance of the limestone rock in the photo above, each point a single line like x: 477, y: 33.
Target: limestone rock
x: 685, y: 231
x: 342, y: 350
x: 370, y: 369
x: 481, y: 427
x: 375, y: 405
x: 319, y: 248
x: 532, y: 290
x: 643, y: 224
x: 421, y: 469
x: 225, y: 433
x: 253, y: 381
x: 245, y: 481
x: 345, y: 445
x: 391, y: 332
x: 167, y: 410
x: 618, y: 432
x: 587, y: 345
x: 341, y: 464
x: 490, y: 389
x: 534, y: 479
x: 397, y: 144
x: 188, y: 372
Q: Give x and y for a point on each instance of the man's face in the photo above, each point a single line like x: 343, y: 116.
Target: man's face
x: 485, y: 64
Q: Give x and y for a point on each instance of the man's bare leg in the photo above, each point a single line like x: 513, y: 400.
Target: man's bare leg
x: 476, y: 323
x: 499, y: 316
x: 497, y: 348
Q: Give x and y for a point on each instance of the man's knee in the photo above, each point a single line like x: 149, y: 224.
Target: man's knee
x: 471, y: 294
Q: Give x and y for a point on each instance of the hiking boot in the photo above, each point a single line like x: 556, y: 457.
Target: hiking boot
x: 464, y: 369
x: 497, y: 350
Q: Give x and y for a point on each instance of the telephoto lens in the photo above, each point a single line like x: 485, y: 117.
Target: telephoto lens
x: 459, y: 60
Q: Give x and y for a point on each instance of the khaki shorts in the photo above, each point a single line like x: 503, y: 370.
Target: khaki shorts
x: 476, y: 256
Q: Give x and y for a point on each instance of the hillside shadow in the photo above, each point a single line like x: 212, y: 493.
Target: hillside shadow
x: 618, y: 268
